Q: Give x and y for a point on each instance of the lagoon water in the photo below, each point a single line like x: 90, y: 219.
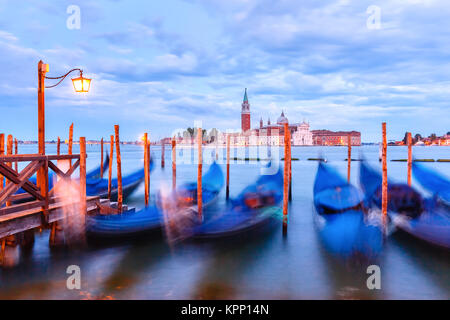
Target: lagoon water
x: 266, y: 267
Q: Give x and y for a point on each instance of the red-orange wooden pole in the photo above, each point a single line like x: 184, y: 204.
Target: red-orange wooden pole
x: 146, y: 170
x: 199, y: 173
x: 409, y: 157
x: 2, y: 152
x: 111, y: 154
x: 16, y: 150
x: 119, y: 170
x: 149, y: 160
x: 286, y: 178
x: 384, y: 190
x: 101, y: 158
x: 9, y: 150
x: 42, y: 69
x: 83, y: 179
x: 70, y: 141
x: 290, y: 167
x: 174, y: 163
x: 162, y: 154
x: 349, y: 156
x: 228, y: 167
x: 58, y: 147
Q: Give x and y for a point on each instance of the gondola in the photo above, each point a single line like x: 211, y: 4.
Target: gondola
x: 149, y: 221
x: 344, y: 228
x: 435, y: 183
x: 255, y: 208
x: 185, y: 195
x: 130, y: 182
x: 95, y: 173
x: 423, y: 218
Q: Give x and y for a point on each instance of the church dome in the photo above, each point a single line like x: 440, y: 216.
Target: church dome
x: 282, y: 119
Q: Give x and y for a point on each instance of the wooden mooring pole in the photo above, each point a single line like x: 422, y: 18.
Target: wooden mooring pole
x: 146, y: 170
x: 349, y: 156
x: 58, y: 146
x: 2, y: 152
x: 101, y: 158
x: 111, y: 154
x: 9, y: 151
x: 163, y: 154
x: 16, y: 151
x: 70, y: 141
x: 119, y: 170
x: 174, y: 163
x: 290, y: 168
x: 409, y: 157
x: 228, y: 167
x: 83, y: 208
x: 199, y: 174
x: 384, y: 190
x: 286, y: 177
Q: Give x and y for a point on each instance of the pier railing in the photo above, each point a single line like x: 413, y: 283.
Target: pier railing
x: 34, y: 196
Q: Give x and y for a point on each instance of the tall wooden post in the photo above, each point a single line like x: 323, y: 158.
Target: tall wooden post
x: 16, y: 151
x: 2, y: 152
x: 149, y: 160
x: 83, y: 179
x: 290, y: 167
x: 174, y: 163
x: 286, y: 177
x: 101, y: 158
x: 58, y: 147
x: 9, y: 150
x: 119, y: 170
x: 199, y: 173
x: 42, y: 70
x: 111, y: 153
x: 146, y: 169
x: 228, y: 167
x: 349, y: 156
x: 162, y: 154
x: 384, y: 190
x: 409, y: 157
x: 70, y: 141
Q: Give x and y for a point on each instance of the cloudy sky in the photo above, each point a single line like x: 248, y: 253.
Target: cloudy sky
x: 161, y: 65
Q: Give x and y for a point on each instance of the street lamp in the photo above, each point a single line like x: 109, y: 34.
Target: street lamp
x: 80, y: 84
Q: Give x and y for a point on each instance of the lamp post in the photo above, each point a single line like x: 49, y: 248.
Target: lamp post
x: 80, y: 84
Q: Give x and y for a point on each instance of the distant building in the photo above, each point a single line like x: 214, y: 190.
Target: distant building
x: 303, y: 136
x: 245, y: 114
x: 338, y: 138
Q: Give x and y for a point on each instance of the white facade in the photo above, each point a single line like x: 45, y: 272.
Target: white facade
x: 302, y: 137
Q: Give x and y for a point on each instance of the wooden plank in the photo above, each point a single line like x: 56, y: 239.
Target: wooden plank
x: 27, y: 186
x: 23, y: 177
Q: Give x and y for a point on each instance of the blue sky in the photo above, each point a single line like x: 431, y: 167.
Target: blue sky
x: 161, y: 65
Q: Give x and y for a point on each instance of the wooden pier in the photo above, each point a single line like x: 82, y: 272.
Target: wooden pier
x: 36, y: 207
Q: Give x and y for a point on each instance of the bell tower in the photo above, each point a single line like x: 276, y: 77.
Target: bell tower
x: 245, y: 113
